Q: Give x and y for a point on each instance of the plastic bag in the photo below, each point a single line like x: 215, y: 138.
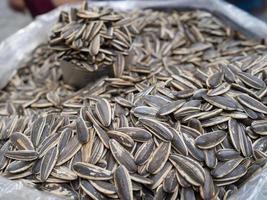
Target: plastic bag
x: 17, y: 48
x: 10, y: 190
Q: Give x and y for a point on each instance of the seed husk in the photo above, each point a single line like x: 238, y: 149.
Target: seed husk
x: 178, y: 142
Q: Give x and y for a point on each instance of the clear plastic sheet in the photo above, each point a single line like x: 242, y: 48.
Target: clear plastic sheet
x: 16, y: 49
x: 10, y: 190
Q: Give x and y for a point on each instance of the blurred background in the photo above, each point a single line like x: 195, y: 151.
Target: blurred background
x: 15, y: 14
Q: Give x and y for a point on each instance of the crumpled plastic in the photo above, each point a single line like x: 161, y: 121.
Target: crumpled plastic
x: 17, y: 49
x: 10, y: 190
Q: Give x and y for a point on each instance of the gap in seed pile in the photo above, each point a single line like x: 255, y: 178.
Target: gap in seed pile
x: 185, y: 120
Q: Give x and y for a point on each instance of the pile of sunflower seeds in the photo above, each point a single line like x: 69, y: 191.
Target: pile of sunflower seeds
x: 186, y: 120
x: 93, y: 38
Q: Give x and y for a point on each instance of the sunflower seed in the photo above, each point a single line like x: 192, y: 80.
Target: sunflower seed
x: 88, y: 188
x: 91, y: 172
x: 189, y: 169
x: 82, y: 131
x: 123, y: 183
x: 159, y: 158
x: 158, y: 128
x: 48, y: 163
x: 122, y: 156
x: 103, y: 111
x: 210, y: 140
x: 225, y: 168
x: 21, y: 141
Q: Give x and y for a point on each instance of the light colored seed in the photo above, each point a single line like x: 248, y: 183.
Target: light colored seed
x: 95, y: 45
x: 145, y: 111
x: 119, y: 65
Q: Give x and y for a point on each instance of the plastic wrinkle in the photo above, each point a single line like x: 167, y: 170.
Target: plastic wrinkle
x: 10, y: 190
x: 17, y: 49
